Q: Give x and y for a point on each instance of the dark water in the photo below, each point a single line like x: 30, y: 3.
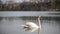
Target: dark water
x: 12, y: 26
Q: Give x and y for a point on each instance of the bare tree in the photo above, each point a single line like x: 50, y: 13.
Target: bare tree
x: 36, y: 1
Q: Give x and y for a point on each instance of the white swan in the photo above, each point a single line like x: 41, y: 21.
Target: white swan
x: 30, y: 26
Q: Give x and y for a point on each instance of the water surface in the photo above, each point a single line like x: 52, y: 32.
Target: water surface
x: 12, y: 26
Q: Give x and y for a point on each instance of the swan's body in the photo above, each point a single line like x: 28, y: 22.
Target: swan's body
x: 30, y: 26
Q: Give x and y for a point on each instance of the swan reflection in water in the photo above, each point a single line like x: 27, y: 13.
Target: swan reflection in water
x: 30, y: 26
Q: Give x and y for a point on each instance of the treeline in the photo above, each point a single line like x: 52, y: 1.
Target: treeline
x: 26, y: 6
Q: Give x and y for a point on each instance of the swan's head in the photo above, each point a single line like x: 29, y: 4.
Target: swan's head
x: 30, y: 26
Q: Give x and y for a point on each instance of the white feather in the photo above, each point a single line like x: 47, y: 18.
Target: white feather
x: 30, y: 26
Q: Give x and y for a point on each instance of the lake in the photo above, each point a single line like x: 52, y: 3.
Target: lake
x: 12, y: 25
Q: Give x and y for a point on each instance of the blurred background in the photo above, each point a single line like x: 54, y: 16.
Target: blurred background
x: 29, y: 5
